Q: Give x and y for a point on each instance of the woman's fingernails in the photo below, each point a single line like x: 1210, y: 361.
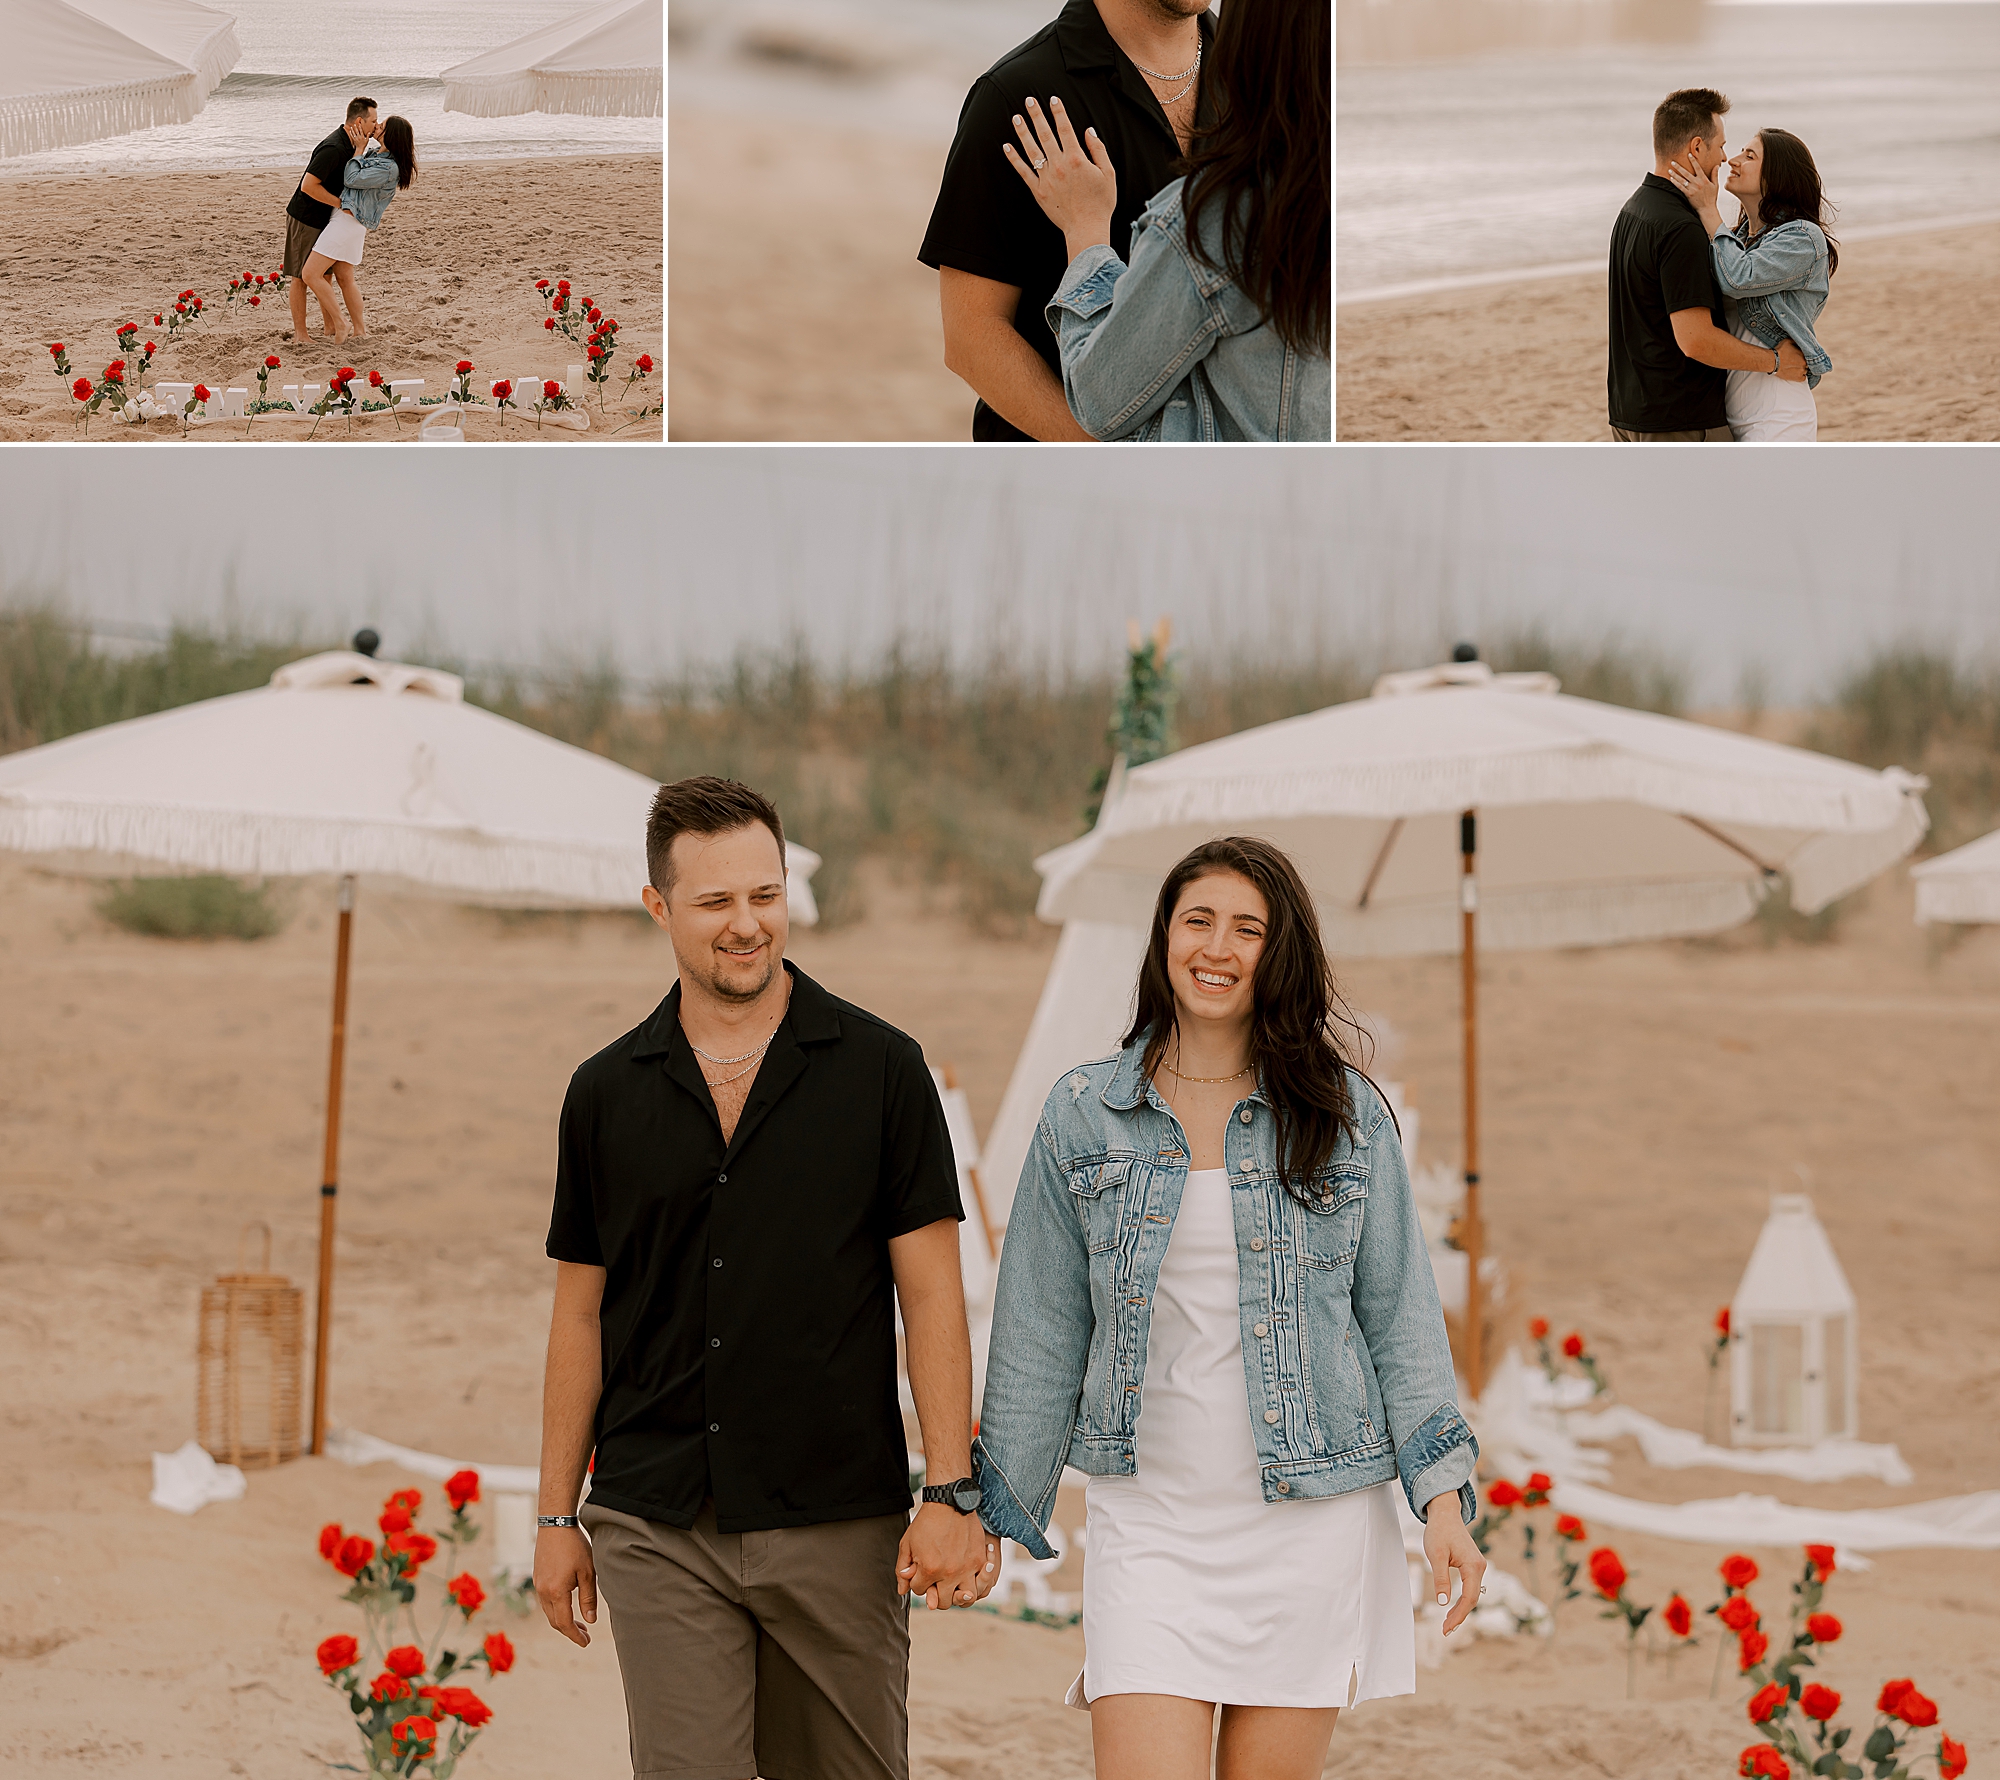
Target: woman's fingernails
x: 1442, y: 1599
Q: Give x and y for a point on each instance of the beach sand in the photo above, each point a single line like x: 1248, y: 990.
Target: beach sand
x: 1911, y: 327
x: 449, y: 275
x: 1640, y: 1104
x: 798, y: 307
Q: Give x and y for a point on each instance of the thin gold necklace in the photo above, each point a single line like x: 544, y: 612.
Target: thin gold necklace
x: 1209, y: 1080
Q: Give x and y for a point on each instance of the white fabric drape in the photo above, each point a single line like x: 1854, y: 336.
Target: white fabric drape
x: 604, y: 61
x: 1961, y: 886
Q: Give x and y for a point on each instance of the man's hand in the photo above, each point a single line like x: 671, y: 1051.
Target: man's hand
x: 1077, y: 190
x: 562, y: 1567
x: 1448, y: 1546
x: 944, y: 1557
x: 1791, y: 362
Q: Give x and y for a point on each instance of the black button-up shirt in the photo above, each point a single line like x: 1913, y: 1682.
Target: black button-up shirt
x: 749, y: 1345
x: 1660, y: 264
x: 987, y: 222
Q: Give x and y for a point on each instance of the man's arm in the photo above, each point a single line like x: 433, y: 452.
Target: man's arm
x: 312, y: 188
x: 981, y: 346
x: 571, y: 1384
x: 944, y: 1550
x: 1696, y: 334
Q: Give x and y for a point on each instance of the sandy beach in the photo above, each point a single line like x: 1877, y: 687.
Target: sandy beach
x: 799, y: 310
x: 1525, y: 361
x: 449, y: 275
x: 1641, y: 1103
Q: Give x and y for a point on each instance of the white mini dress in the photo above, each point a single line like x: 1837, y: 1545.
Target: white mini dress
x: 1193, y: 1584
x: 1762, y: 405
x: 343, y: 238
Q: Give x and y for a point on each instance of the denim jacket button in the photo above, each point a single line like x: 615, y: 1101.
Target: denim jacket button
x: 1284, y: 1488
x: 1244, y: 1115
x: 1260, y: 1330
x: 1257, y: 1243
x: 1270, y: 1415
x: 1247, y: 1165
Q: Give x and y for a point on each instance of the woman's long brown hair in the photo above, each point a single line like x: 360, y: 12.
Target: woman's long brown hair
x: 1295, y: 1006
x: 1266, y: 157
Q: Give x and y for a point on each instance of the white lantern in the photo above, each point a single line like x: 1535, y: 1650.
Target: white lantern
x: 1793, y: 1346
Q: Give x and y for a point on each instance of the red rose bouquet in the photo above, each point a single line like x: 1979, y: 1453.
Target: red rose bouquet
x: 565, y: 315
x: 415, y: 1720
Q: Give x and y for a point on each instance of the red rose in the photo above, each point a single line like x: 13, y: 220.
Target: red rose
x: 465, y: 1590
x: 1737, y: 1613
x: 1679, y: 1616
x: 413, y: 1733
x: 1539, y: 1482
x: 1503, y: 1494
x: 645, y: 362
x: 592, y: 314
x: 374, y: 379
x: 1824, y: 1627
x: 151, y: 349
x: 115, y: 371
x: 550, y: 390
x: 1569, y: 1527
x: 347, y: 376
x: 1765, y: 1762
x: 1722, y: 1321
x: 1737, y: 1570
x: 405, y: 1660
x: 395, y: 1518
x: 386, y: 1686
x: 1821, y: 1558
x: 255, y: 302
x: 462, y: 1703
x: 56, y: 351
x: 417, y: 1548
x: 596, y: 351
x: 337, y: 1653
x: 1892, y: 1695
x: 201, y: 392
x: 156, y: 321
x: 1951, y: 1758
x: 1751, y: 1651
x: 541, y: 284
x: 499, y: 1652
x: 1607, y: 1574
x: 354, y: 1555
x: 1914, y: 1709
x: 1767, y: 1700
x: 410, y: 1499
x: 272, y: 362
x: 562, y: 284
x: 330, y: 1537
x: 1819, y: 1702
x: 1573, y: 1346
x: 464, y: 365
x: 81, y: 389
x: 259, y: 278
x: 501, y: 391
x: 180, y: 308
x: 549, y: 321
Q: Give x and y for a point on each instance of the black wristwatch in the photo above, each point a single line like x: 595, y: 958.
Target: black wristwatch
x: 962, y: 1495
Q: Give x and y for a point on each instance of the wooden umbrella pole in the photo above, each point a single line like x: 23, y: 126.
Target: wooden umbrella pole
x: 329, y: 1189
x: 1471, y: 1237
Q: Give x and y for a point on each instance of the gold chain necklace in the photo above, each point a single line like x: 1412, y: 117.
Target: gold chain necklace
x: 1209, y: 1080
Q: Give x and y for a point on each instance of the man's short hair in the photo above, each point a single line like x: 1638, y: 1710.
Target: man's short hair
x: 359, y: 108
x: 704, y: 806
x: 1688, y: 113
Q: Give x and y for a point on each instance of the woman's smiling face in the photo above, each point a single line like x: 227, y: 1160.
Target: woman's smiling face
x: 1746, y: 171
x: 1214, y: 939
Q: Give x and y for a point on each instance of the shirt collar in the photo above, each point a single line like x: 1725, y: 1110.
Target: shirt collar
x: 812, y: 1015
x: 1086, y: 44
x: 1128, y: 1085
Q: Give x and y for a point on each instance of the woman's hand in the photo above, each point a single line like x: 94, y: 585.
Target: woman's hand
x: 1448, y: 1546
x: 1699, y: 190
x: 1077, y: 190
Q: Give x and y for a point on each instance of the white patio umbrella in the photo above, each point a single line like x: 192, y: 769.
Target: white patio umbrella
x: 1962, y: 885
x: 76, y: 71
x: 1456, y: 808
x: 604, y: 61
x: 344, y: 766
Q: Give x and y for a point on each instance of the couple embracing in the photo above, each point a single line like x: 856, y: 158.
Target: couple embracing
x: 1214, y: 1301
x: 341, y: 199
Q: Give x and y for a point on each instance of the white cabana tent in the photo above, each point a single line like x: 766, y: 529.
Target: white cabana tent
x: 1962, y: 885
x: 604, y: 61
x: 1456, y: 808
x: 75, y: 71
x: 372, y: 772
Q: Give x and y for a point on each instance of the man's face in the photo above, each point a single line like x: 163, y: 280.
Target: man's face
x: 1708, y: 152
x: 726, y: 911
x: 361, y: 128
x: 1181, y: 9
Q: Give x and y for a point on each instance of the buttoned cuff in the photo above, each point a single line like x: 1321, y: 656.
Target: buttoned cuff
x: 1440, y: 1456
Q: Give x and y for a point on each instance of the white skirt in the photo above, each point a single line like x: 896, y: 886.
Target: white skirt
x: 1761, y: 405
x: 1193, y: 1584
x: 342, y: 239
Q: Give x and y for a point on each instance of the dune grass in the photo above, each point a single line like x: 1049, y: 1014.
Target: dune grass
x: 194, y: 908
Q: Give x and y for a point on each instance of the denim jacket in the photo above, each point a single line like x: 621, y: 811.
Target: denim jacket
x: 1776, y: 285
x: 1347, y: 1371
x: 1168, y: 348
x: 367, y: 186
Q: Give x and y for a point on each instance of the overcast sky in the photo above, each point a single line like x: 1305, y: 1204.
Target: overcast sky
x: 1796, y: 563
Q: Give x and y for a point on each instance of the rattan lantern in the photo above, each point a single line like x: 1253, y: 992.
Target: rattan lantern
x: 1794, y: 1349
x: 251, y: 1359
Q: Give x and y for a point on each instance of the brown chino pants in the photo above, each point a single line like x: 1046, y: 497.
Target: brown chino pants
x: 1715, y: 435
x: 783, y: 1654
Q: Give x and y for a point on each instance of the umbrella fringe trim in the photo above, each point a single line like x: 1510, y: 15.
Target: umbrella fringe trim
x: 622, y: 92
x: 69, y: 120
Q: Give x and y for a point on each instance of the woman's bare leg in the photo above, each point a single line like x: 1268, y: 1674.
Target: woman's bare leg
x: 350, y: 294
x: 1151, y: 1736
x: 1274, y: 1742
x: 329, y: 305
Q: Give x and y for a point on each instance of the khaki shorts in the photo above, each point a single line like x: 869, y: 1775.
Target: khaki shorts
x: 1713, y: 435
x: 783, y: 1654
x: 299, y: 239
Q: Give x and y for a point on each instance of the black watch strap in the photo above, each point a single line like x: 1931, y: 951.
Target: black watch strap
x: 961, y: 1494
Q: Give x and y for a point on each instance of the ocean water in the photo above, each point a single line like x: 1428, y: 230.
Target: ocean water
x: 1516, y: 161
x: 304, y: 59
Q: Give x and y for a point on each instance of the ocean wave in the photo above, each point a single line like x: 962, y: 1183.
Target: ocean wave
x: 241, y: 82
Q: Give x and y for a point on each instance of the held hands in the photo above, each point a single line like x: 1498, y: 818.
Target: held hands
x: 563, y: 1566
x: 1448, y: 1546
x: 1077, y: 190
x: 947, y: 1557
x: 1791, y: 362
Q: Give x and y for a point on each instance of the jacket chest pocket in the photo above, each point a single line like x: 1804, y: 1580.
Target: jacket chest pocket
x: 1329, y: 1220
x: 1099, y: 1189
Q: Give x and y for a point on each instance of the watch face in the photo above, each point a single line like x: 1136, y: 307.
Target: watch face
x: 965, y: 1497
